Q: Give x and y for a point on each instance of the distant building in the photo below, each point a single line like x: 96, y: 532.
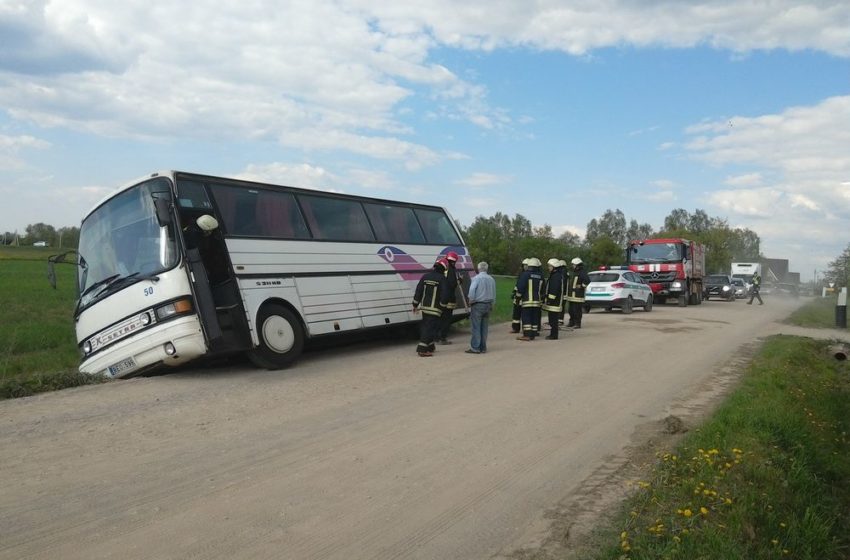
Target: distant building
x: 774, y: 270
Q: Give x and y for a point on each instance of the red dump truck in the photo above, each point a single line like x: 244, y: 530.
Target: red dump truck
x: 673, y: 268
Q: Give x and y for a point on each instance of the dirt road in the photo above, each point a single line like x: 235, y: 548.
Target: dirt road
x: 361, y: 452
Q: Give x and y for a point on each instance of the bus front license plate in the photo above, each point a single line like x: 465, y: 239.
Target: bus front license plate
x: 123, y: 365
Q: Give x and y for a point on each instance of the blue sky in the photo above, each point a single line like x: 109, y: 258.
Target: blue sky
x: 554, y: 110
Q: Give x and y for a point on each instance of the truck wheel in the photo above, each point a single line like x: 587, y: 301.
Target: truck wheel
x: 648, y: 305
x: 661, y: 300
x: 693, y: 299
x: 281, y: 337
x: 683, y: 301
x: 628, y: 306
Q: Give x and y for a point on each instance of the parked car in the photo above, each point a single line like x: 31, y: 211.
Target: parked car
x: 622, y: 289
x: 719, y: 286
x: 741, y: 290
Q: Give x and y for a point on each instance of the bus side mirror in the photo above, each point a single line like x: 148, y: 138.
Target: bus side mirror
x: 163, y: 211
x: 52, y: 260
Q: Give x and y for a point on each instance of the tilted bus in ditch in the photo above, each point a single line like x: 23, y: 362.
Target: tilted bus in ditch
x: 179, y: 265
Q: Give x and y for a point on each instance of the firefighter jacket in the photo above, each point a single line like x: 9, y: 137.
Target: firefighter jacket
x: 554, y: 291
x: 452, y: 282
x: 577, y: 284
x: 528, y: 286
x: 431, y: 294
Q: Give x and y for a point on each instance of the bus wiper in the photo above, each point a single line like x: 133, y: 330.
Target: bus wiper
x: 134, y: 276
x: 106, y: 281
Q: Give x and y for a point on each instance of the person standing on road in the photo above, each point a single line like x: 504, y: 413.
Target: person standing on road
x: 528, y: 286
x: 517, y: 303
x: 575, y: 292
x: 452, y: 282
x: 431, y: 298
x: 554, y: 299
x: 754, y: 289
x: 482, y: 294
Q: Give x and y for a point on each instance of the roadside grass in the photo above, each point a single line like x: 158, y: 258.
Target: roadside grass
x: 37, y: 345
x: 767, y: 476
x: 503, y: 306
x: 819, y: 313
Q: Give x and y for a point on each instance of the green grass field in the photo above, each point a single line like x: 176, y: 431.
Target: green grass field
x: 819, y: 313
x: 768, y: 476
x: 37, y: 345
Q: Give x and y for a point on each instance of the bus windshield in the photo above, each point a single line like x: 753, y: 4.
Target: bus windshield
x: 655, y: 253
x: 122, y: 238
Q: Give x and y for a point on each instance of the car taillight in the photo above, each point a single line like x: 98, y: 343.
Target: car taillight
x: 618, y: 285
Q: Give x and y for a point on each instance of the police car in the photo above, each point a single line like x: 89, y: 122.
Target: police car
x: 617, y: 288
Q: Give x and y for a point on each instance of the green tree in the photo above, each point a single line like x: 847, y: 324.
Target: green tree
x: 839, y: 269
x: 40, y: 232
x: 604, y: 251
x: 612, y: 224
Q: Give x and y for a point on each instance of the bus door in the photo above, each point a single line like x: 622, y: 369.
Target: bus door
x: 220, y: 304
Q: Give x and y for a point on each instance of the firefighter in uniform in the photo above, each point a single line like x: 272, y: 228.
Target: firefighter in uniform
x: 517, y: 302
x: 529, y: 287
x: 554, y: 298
x: 575, y: 292
x: 452, y: 282
x: 431, y: 298
x: 564, y: 280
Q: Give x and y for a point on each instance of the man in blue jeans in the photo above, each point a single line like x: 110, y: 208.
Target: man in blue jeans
x: 482, y: 293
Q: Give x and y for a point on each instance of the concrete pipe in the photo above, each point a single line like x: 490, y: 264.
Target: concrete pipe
x: 838, y: 351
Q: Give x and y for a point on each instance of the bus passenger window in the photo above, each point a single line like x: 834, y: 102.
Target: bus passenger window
x: 394, y: 224
x: 336, y: 218
x: 438, y: 228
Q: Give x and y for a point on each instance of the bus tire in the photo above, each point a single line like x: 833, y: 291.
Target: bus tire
x: 281, y: 338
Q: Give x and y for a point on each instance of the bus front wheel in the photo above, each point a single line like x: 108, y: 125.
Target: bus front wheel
x: 281, y: 338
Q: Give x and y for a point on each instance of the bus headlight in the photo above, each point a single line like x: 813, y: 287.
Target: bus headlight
x: 174, y: 308
x: 145, y: 319
x: 87, y: 347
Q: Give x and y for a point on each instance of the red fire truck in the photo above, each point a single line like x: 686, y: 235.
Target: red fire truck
x: 672, y: 267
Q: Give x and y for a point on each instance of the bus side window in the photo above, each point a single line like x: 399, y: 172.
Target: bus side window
x: 278, y: 216
x: 336, y: 218
x: 394, y: 224
x: 437, y: 227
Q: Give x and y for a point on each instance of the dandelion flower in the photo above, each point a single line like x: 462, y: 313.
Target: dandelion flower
x: 687, y: 513
x: 703, y: 511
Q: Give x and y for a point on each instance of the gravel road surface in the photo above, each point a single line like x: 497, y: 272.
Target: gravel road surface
x: 365, y: 451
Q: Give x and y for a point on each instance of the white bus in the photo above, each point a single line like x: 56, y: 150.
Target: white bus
x: 275, y: 267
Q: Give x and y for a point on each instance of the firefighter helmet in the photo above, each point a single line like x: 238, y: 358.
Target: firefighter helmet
x: 562, y: 262
x: 553, y: 262
x: 442, y: 263
x: 524, y: 262
x: 451, y: 256
x: 576, y: 261
x: 533, y: 261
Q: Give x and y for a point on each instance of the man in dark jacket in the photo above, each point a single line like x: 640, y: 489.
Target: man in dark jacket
x: 528, y: 287
x: 575, y: 292
x: 431, y: 298
x: 553, y: 303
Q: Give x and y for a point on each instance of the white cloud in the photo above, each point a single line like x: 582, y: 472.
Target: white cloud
x: 11, y: 146
x: 478, y: 180
x: 334, y: 75
x: 576, y: 230
x: 300, y: 175
x: 480, y: 202
x: 796, y: 198
x: 665, y: 184
x: 747, y: 180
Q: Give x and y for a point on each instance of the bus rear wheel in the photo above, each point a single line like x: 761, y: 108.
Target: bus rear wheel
x: 281, y: 338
